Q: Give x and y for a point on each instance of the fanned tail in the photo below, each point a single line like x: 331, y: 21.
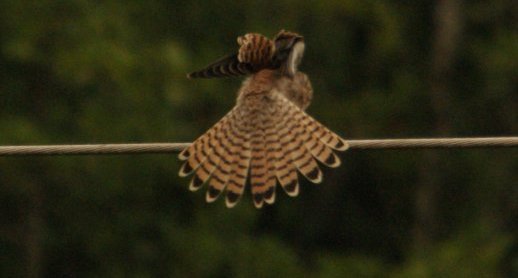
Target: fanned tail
x: 268, y: 143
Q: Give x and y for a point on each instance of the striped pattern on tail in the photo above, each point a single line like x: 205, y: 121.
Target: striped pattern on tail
x: 265, y: 143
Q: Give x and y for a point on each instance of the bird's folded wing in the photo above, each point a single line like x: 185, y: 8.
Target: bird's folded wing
x: 255, y: 53
x: 224, y: 67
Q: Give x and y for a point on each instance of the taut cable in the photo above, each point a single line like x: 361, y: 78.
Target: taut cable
x: 148, y: 148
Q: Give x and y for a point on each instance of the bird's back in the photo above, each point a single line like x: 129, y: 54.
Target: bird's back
x: 296, y: 89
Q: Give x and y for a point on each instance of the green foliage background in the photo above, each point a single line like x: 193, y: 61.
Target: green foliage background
x: 114, y: 71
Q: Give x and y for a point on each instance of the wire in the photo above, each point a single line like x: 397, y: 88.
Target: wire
x: 147, y: 148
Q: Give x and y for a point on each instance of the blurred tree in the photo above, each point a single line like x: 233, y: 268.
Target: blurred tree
x: 85, y: 72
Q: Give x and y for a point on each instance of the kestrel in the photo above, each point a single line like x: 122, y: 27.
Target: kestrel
x: 267, y: 137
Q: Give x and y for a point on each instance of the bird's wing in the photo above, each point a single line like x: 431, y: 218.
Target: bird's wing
x: 265, y: 139
x: 255, y: 49
x: 224, y: 67
x: 255, y: 53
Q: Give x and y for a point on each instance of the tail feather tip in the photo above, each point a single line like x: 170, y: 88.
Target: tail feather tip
x: 333, y: 161
x: 342, y: 145
x: 195, y: 184
x: 269, y: 195
x: 231, y: 199
x: 258, y: 200
x: 292, y: 189
x: 185, y: 170
x: 315, y: 175
x: 212, y: 194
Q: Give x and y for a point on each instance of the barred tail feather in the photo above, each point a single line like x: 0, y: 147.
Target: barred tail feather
x: 302, y: 158
x: 211, y: 168
x: 241, y: 163
x: 285, y: 169
x: 272, y: 144
x: 222, y: 174
x: 201, y: 148
x: 306, y: 139
x: 325, y: 135
x: 258, y: 169
x: 315, y: 144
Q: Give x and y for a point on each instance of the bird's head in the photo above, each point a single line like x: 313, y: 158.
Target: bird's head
x: 289, y: 49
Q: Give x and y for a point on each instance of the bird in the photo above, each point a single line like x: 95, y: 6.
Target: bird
x: 267, y: 138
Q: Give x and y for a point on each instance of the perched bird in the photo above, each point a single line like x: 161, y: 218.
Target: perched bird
x: 267, y: 137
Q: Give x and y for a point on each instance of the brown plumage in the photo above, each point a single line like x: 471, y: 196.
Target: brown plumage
x: 267, y: 137
x: 255, y: 53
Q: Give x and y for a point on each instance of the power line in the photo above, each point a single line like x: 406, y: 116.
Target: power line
x: 147, y: 148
